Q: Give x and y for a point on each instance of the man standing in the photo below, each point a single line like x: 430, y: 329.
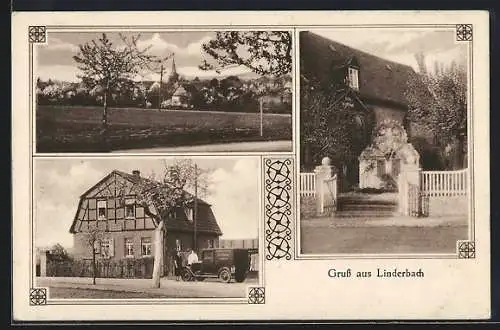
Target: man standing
x: 192, y: 258
x: 193, y: 261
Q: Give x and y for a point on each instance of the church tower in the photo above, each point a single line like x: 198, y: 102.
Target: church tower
x: 174, y: 76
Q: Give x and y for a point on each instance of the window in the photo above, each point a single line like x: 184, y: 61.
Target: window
x: 101, y: 210
x: 107, y: 248
x: 353, y: 78
x: 146, y: 247
x: 129, y: 248
x: 211, y: 243
x: 189, y: 213
x: 208, y: 256
x: 130, y: 208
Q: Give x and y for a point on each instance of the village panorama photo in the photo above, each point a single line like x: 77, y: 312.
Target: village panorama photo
x: 166, y: 91
x: 107, y: 228
x: 384, y: 156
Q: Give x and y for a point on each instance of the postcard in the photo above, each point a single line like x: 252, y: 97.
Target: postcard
x: 250, y: 165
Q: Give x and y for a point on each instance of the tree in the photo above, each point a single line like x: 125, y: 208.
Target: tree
x: 94, y: 239
x: 330, y: 125
x: 59, y: 253
x: 263, y: 52
x: 161, y: 198
x: 110, y: 67
x: 442, y: 105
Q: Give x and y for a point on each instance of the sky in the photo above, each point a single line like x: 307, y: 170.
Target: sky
x: 55, y: 59
x: 60, y: 182
x: 400, y: 45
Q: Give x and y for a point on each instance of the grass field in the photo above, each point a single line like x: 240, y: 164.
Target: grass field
x: 77, y: 129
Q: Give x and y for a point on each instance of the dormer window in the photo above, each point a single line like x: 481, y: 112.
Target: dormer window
x: 353, y: 78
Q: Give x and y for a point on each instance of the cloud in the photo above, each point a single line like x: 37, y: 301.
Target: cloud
x: 56, y: 44
x: 159, y: 46
x: 57, y: 196
x: 235, y: 200
x: 58, y: 72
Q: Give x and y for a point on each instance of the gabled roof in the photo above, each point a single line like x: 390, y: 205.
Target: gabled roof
x: 379, y: 79
x: 207, y: 222
x: 180, y: 91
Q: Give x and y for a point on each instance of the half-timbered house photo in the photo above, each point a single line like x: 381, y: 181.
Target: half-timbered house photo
x: 128, y: 224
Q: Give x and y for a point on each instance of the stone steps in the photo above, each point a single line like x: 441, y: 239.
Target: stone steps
x: 366, y: 206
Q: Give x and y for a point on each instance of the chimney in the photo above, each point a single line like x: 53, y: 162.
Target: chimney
x: 136, y: 173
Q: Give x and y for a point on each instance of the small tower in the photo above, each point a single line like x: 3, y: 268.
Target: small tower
x: 174, y: 76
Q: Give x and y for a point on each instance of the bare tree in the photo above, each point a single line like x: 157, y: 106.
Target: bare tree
x: 109, y: 67
x: 94, y: 238
x: 263, y: 52
x: 162, y: 197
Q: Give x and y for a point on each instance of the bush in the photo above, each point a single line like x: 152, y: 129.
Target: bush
x: 307, y: 207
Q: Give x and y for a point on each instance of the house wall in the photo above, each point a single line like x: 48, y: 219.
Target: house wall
x: 83, y: 250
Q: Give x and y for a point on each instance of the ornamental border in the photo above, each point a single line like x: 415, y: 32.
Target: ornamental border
x: 279, y: 194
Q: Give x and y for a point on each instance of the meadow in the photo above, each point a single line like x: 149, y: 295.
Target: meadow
x: 78, y: 128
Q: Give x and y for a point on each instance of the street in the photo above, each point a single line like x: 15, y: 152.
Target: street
x: 331, y: 235
x: 257, y: 146
x: 110, y: 288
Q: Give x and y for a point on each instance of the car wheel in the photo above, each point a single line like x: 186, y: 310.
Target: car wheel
x: 225, y: 276
x: 186, y: 276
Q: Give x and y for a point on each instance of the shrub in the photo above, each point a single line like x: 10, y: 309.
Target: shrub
x: 307, y: 207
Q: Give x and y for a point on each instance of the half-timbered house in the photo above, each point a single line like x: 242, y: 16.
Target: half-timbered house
x: 128, y: 231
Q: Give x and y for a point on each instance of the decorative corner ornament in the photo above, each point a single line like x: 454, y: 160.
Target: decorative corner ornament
x: 37, y: 34
x: 257, y: 295
x: 464, y: 32
x: 278, y: 207
x: 38, y: 296
x: 466, y: 249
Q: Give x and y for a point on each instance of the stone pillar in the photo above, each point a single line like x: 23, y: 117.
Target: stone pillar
x: 43, y: 263
x: 324, y: 173
x: 409, y: 175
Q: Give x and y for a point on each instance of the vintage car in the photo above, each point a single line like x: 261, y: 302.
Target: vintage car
x: 225, y: 264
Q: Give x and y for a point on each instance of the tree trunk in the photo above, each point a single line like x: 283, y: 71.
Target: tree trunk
x: 93, y: 266
x: 459, y: 158
x: 158, y: 254
x: 104, y: 129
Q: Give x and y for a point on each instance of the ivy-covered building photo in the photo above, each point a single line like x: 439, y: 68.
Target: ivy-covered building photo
x: 383, y: 136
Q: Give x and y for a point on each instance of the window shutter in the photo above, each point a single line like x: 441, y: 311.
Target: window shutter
x: 111, y: 247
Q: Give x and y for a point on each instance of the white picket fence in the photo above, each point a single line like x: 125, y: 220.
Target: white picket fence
x: 444, y: 183
x: 307, y: 184
x: 325, y: 193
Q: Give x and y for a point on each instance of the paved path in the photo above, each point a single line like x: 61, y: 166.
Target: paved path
x: 169, y: 288
x: 256, y: 146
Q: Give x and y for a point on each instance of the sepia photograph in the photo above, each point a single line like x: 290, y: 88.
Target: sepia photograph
x: 146, y: 228
x: 189, y: 166
x: 383, y: 141
x: 182, y: 91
